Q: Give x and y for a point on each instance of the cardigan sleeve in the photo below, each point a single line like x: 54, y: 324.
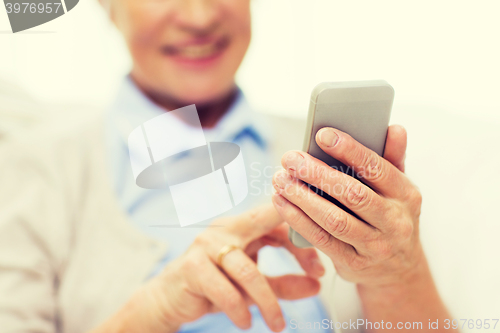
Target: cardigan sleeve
x: 30, y: 234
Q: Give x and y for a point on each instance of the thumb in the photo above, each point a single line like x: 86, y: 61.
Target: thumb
x: 395, y: 146
x: 291, y: 287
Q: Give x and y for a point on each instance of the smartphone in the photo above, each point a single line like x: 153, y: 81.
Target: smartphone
x: 361, y: 109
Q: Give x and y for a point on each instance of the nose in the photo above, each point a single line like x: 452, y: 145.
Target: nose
x: 198, y: 16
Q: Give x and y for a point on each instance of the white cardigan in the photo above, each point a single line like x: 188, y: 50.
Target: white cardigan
x: 68, y: 256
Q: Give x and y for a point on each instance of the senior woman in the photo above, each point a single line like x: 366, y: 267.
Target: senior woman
x: 79, y: 249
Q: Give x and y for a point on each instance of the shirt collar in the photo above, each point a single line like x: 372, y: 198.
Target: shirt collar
x: 132, y: 108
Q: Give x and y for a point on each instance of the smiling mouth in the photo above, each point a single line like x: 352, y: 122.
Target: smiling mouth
x: 197, y: 51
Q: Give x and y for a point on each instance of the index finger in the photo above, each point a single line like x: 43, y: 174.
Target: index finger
x: 374, y: 170
x: 245, y: 273
x: 252, y: 224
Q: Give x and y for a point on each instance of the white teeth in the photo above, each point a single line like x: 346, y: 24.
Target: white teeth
x: 197, y: 52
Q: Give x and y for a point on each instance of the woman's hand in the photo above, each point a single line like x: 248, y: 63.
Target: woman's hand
x: 193, y: 285
x: 377, y: 246
x: 380, y: 246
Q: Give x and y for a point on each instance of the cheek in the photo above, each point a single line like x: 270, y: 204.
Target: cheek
x: 245, y: 34
x: 242, y: 22
x: 237, y: 18
x: 142, y: 29
x: 240, y: 28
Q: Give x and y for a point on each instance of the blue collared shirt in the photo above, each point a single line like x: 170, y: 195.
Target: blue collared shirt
x: 153, y: 212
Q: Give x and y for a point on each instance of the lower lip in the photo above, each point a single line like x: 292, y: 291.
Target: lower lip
x: 199, y: 63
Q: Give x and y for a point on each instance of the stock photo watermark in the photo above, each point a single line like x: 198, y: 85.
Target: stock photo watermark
x: 205, y: 179
x: 366, y: 325
x: 24, y: 15
x: 336, y: 186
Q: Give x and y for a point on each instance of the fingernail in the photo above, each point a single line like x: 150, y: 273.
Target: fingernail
x: 279, y: 323
x: 328, y: 137
x: 294, y: 161
x: 282, y: 179
x: 279, y: 200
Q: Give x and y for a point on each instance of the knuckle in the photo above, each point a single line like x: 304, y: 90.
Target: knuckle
x: 394, y: 212
x: 384, y: 251
x: 253, y: 216
x: 406, y: 230
x: 185, y: 288
x: 357, y: 196
x: 321, y: 237
x: 251, y: 221
x: 232, y: 299
x: 247, y: 273
x: 317, y: 173
x: 417, y: 197
x: 336, y: 222
x: 402, y: 227
x: 196, y: 261
x: 193, y: 263
x: 417, y: 201
x: 372, y: 237
x: 200, y: 240
x: 292, y: 216
x: 358, y: 263
x: 413, y: 200
x: 413, y: 194
x: 372, y: 166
